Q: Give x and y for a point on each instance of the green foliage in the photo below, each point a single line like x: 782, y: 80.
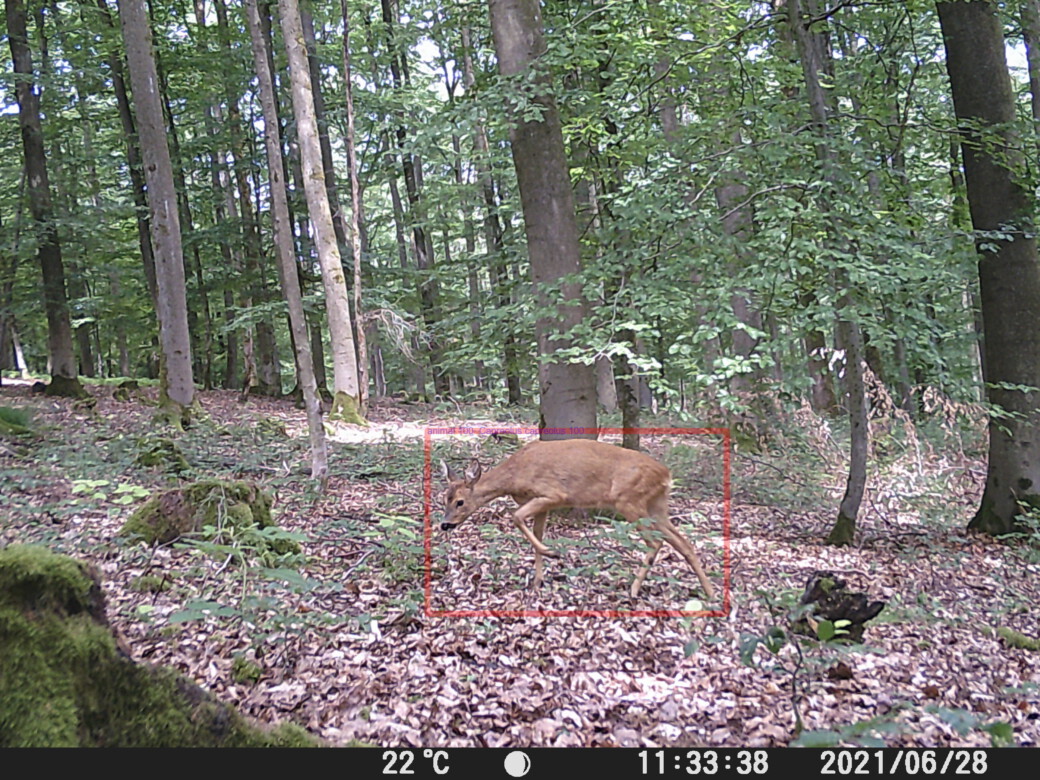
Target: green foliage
x: 104, y: 490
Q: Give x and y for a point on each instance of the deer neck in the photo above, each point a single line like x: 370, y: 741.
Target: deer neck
x: 491, y: 485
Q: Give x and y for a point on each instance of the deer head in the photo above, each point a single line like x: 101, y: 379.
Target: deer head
x: 459, y: 499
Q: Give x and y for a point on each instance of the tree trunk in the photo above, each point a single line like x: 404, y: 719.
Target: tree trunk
x: 283, y: 238
x: 1009, y: 271
x: 493, y: 242
x: 567, y: 402
x: 815, y: 55
x: 64, y: 379
x: 133, y: 157
x: 422, y: 243
x: 356, y: 211
x: 178, y: 388
x: 347, y: 394
x: 265, y: 364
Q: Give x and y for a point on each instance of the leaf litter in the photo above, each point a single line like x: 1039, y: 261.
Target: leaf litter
x: 341, y: 642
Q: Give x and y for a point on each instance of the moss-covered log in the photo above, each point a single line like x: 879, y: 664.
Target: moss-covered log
x: 65, y: 681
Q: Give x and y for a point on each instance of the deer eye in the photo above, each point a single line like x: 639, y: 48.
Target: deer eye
x: 460, y: 502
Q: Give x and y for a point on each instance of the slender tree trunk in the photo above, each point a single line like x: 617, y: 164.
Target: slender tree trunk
x: 202, y: 352
x: 497, y: 272
x: 284, y: 245
x: 267, y: 372
x: 64, y: 379
x: 133, y: 156
x: 1009, y: 268
x: 356, y: 212
x: 178, y: 388
x: 346, y: 402
x: 422, y: 244
x: 814, y: 53
x: 567, y: 390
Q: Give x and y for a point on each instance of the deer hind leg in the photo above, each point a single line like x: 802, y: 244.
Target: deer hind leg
x: 673, y: 536
x: 539, y: 530
x: 654, y: 542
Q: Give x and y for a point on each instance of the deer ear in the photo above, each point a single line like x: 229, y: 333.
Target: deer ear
x: 473, y: 472
x: 447, y: 472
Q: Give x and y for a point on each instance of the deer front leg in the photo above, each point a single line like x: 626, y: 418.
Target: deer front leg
x: 539, y: 530
x: 532, y: 509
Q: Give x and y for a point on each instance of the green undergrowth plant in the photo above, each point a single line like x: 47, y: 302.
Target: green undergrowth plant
x: 799, y: 658
x: 15, y: 421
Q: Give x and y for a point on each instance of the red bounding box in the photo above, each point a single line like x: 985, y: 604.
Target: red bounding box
x: 434, y: 434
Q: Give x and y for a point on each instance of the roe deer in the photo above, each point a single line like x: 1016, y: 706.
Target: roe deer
x: 581, y: 473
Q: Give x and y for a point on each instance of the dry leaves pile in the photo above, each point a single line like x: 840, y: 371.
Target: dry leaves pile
x: 352, y: 654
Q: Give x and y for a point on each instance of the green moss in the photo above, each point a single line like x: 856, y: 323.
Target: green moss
x: 171, y: 514
x: 1018, y: 639
x: 272, y: 427
x: 16, y: 422
x: 162, y: 453
x: 345, y: 408
x: 245, y: 671
x: 64, y: 681
x: 149, y: 583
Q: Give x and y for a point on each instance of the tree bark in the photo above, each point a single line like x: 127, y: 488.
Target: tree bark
x: 346, y: 399
x: 1009, y: 271
x: 64, y: 379
x: 355, y: 216
x: 422, y: 243
x: 178, y: 387
x: 567, y: 401
x: 815, y: 55
x: 497, y: 273
x: 283, y: 238
x: 265, y: 365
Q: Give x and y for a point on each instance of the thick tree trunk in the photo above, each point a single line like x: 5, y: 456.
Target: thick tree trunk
x: 64, y: 379
x: 1009, y: 271
x: 568, y: 390
x: 178, y: 388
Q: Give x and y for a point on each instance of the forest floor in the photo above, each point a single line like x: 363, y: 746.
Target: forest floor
x: 344, y: 640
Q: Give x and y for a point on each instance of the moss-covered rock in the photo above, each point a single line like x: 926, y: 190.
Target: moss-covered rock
x: 162, y: 453
x: 64, y: 680
x: 170, y: 514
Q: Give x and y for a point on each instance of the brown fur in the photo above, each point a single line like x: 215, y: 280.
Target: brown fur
x: 581, y: 473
